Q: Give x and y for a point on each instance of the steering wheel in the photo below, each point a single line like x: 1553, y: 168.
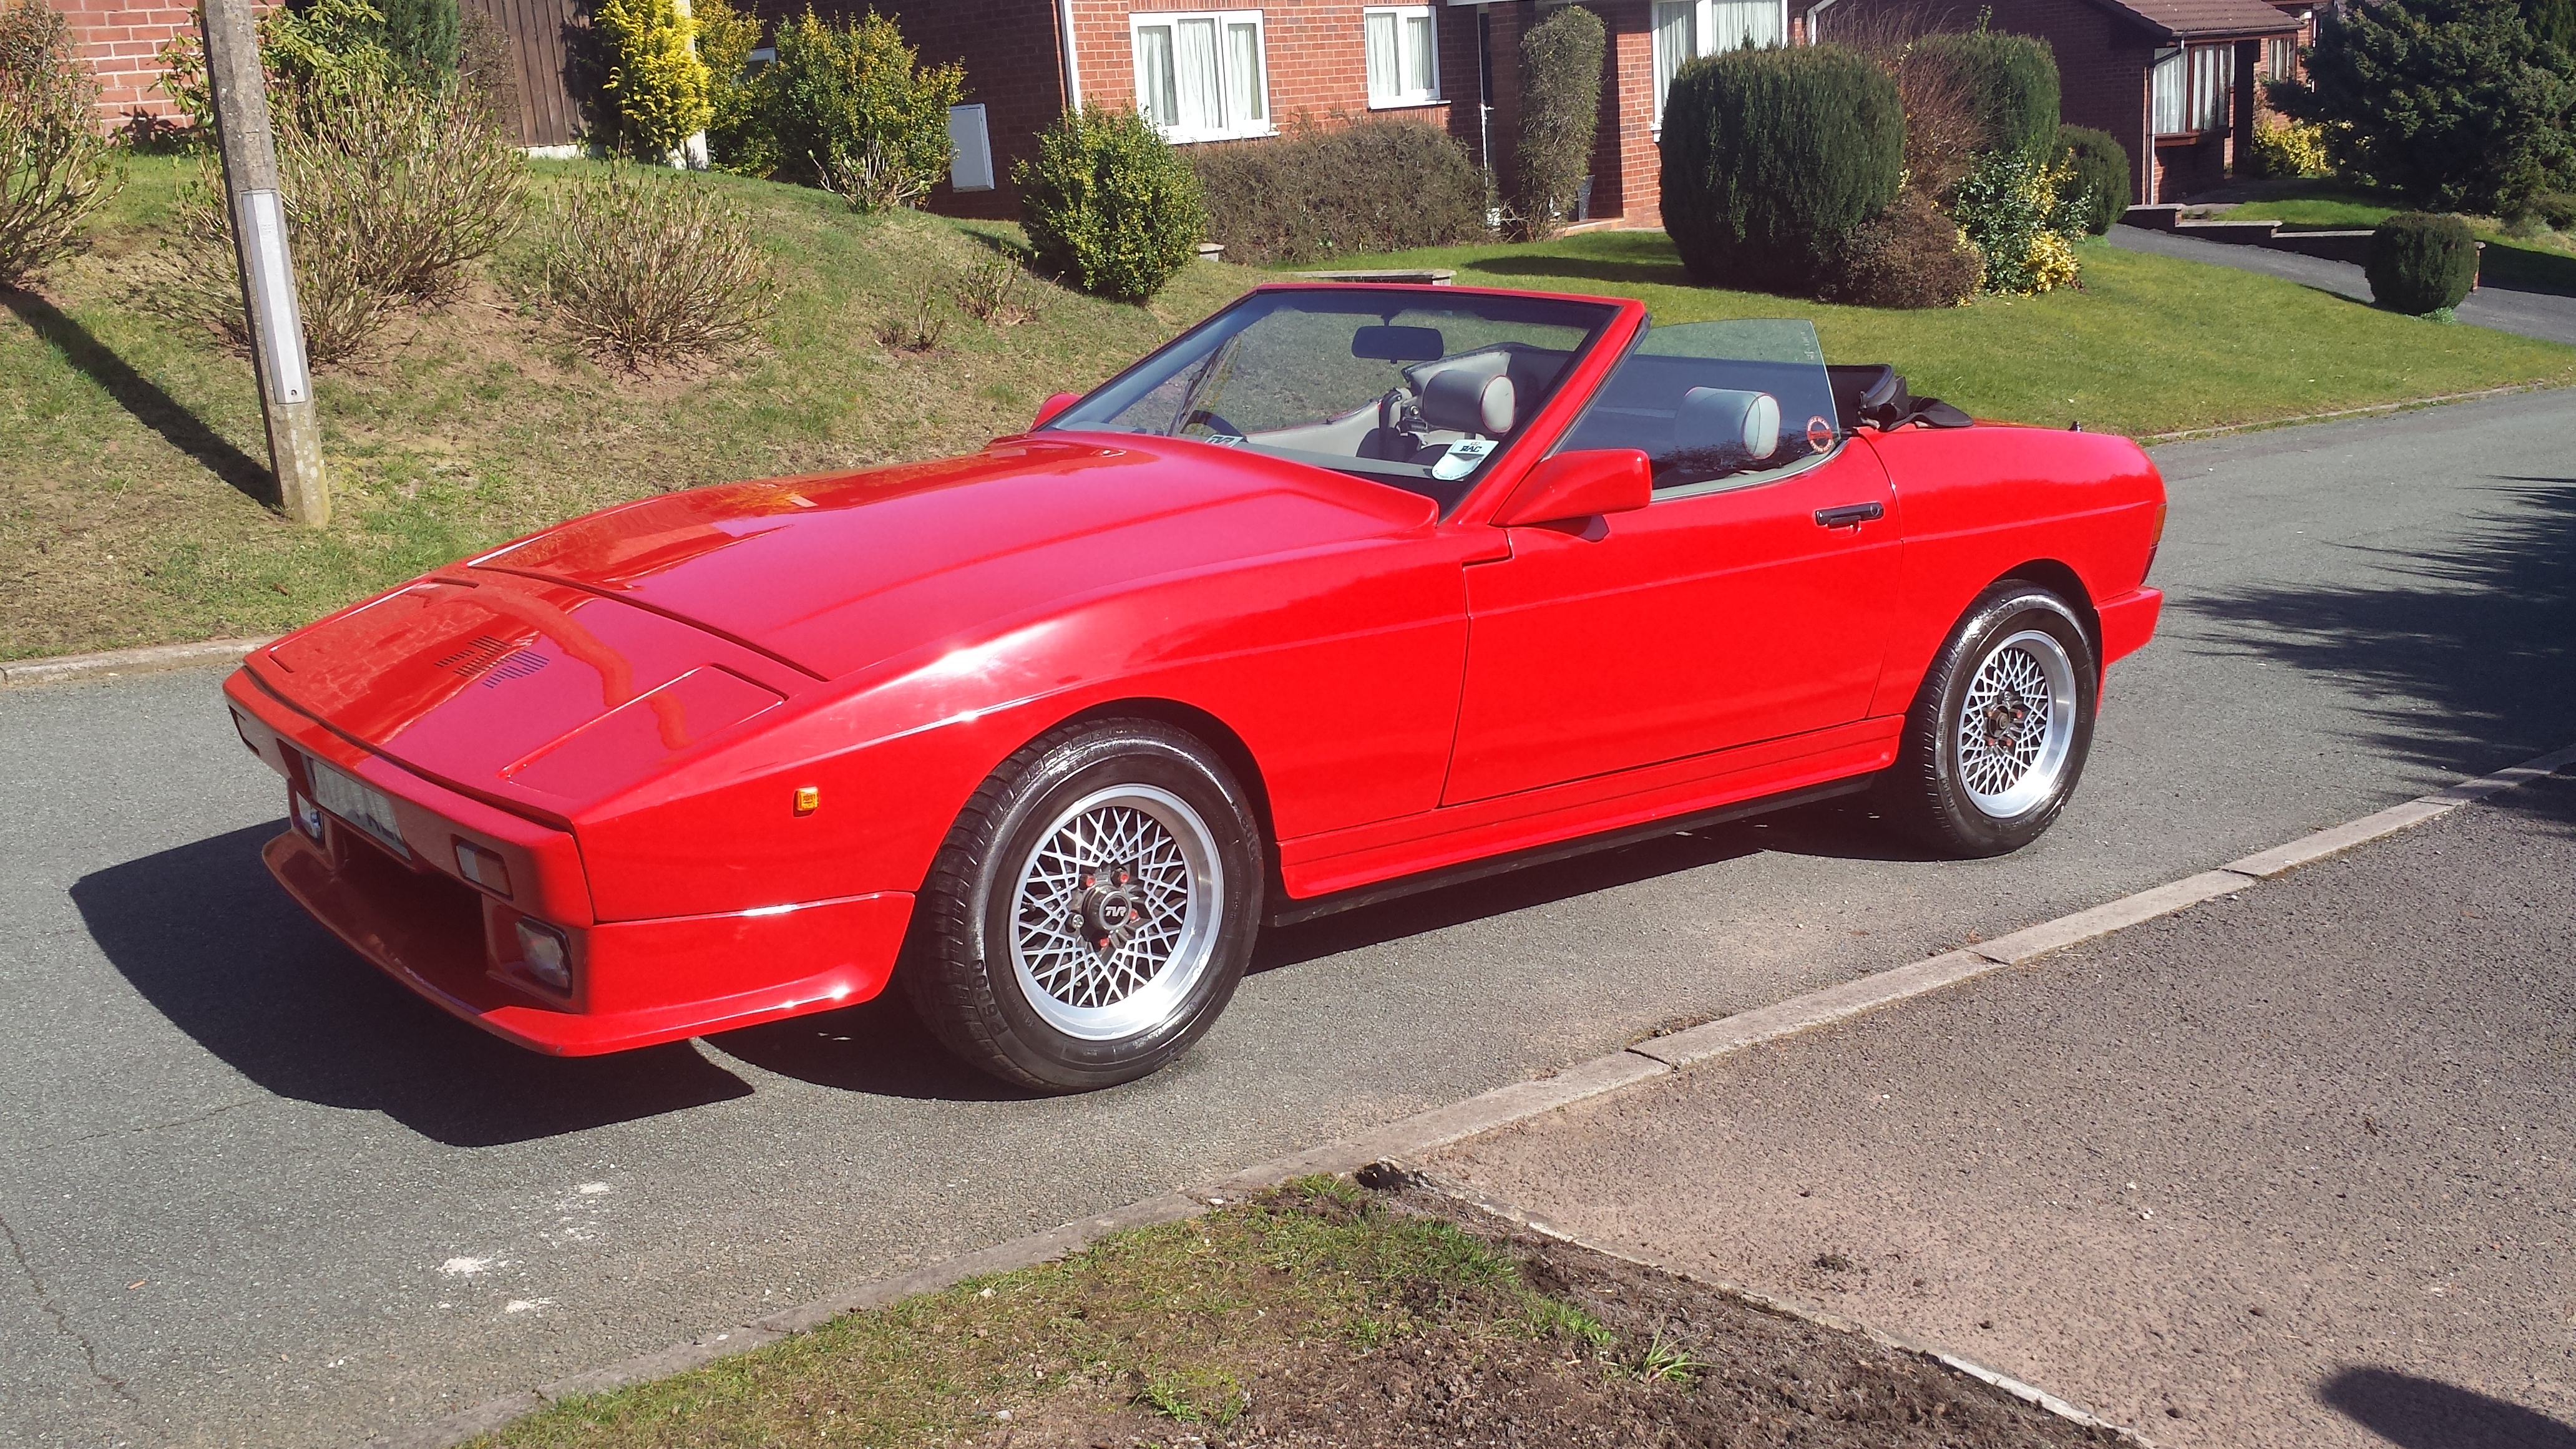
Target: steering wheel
x: 1208, y: 421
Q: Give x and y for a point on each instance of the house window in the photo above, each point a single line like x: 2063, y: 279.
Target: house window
x: 1688, y: 29
x: 1202, y: 75
x: 2195, y: 90
x: 2281, y: 58
x: 1403, y: 56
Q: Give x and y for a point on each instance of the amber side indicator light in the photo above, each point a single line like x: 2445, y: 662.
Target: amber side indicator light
x: 545, y: 954
x: 808, y: 799
x: 2155, y: 541
x: 484, y: 868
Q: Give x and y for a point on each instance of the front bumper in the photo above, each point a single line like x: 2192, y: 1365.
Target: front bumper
x: 635, y: 983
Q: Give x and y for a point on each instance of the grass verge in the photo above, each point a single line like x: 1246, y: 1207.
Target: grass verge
x: 2150, y: 345
x: 1320, y: 1313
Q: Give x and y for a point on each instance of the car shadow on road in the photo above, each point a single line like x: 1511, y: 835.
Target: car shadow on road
x: 210, y: 941
x: 2470, y: 650
x: 2421, y: 1413
x: 1842, y: 828
x: 878, y: 1047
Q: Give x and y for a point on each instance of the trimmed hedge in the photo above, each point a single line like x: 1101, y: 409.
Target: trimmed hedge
x: 1378, y: 186
x: 2011, y: 81
x: 2100, y: 170
x: 1910, y: 255
x: 1771, y: 158
x: 1560, y: 111
x: 2421, y: 263
x: 1109, y: 203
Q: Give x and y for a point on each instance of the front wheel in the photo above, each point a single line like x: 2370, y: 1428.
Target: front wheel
x: 1092, y: 910
x: 1998, y: 734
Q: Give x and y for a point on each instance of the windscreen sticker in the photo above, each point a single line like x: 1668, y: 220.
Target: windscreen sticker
x: 1462, y: 458
x: 1820, y: 433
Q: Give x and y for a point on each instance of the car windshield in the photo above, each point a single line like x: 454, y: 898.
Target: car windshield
x: 1713, y: 404
x: 1416, y: 387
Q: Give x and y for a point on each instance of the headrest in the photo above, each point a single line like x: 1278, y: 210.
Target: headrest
x: 1466, y: 400
x: 1736, y: 424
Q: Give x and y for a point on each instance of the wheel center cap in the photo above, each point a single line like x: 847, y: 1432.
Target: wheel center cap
x: 1108, y: 911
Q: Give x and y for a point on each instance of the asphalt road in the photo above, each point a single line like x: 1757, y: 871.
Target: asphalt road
x: 2290, y: 1170
x: 2548, y: 316
x: 255, y: 1195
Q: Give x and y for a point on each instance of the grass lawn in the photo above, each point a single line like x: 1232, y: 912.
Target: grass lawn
x: 132, y: 464
x: 2150, y: 345
x: 2545, y: 262
x: 1319, y: 1314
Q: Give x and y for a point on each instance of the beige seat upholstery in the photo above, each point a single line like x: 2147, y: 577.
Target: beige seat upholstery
x: 1737, y: 425
x: 1471, y: 400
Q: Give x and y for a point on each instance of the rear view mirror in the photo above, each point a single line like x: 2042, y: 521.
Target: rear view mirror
x: 1047, y: 410
x: 1578, y: 485
x: 1399, y: 344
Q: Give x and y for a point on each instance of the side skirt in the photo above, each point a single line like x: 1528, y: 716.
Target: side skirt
x: 1432, y: 880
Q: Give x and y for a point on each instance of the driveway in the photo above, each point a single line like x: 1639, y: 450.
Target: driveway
x: 255, y: 1195
x: 2549, y: 316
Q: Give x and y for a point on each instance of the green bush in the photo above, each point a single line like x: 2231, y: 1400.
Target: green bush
x: 740, y: 138
x: 2558, y: 208
x: 1378, y: 186
x: 2011, y: 81
x: 2097, y: 177
x: 655, y: 79
x: 1560, y: 111
x: 2286, y: 148
x: 2454, y: 104
x: 853, y: 110
x: 1109, y: 204
x: 1910, y: 255
x: 1772, y: 157
x: 647, y: 269
x: 54, y: 163
x: 2419, y: 263
x: 328, y: 47
x: 2010, y: 208
x: 424, y: 35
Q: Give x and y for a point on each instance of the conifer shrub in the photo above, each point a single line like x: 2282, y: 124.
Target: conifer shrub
x: 425, y: 36
x: 1109, y: 204
x: 853, y: 109
x: 55, y: 166
x: 1378, y: 186
x: 1560, y: 111
x: 2096, y: 189
x: 655, y: 80
x: 1772, y: 158
x: 2419, y: 263
x: 2011, y: 81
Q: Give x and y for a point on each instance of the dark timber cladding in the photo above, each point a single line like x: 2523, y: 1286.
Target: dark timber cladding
x: 551, y: 46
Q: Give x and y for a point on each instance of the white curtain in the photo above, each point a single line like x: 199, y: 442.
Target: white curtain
x: 1736, y: 23
x: 1154, y: 75
x: 1418, y: 76
x: 2213, y: 87
x: 1198, y: 103
x: 2169, y: 116
x: 1383, y: 62
x: 1676, y: 41
x: 1243, y: 61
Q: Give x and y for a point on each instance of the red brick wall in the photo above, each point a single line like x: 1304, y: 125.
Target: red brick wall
x: 119, y: 42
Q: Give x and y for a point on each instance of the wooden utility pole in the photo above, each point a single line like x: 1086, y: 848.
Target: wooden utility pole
x: 259, y: 245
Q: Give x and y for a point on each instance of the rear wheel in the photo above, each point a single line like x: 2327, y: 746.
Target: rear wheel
x: 1091, y: 911
x: 1998, y: 734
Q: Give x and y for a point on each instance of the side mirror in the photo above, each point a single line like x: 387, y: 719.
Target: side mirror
x: 1047, y: 410
x: 1579, y: 485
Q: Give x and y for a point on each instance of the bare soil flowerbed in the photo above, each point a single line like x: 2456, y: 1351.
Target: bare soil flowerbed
x: 1320, y: 1314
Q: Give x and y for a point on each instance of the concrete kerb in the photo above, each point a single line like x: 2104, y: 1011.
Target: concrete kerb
x: 1405, y: 1141
x: 150, y: 659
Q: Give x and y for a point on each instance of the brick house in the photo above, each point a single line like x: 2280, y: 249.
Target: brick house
x: 2173, y: 79
x: 120, y: 41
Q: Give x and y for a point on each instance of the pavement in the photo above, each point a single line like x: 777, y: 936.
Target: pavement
x: 257, y: 1195
x: 2548, y: 316
x: 2291, y: 1168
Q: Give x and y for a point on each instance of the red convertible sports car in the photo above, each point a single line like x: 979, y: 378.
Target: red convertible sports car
x: 1348, y: 591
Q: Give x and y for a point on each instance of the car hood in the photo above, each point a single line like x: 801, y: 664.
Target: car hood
x: 584, y: 661
x: 833, y: 573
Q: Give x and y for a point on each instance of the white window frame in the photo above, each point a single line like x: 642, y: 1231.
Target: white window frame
x: 1236, y: 120
x: 1703, y: 41
x: 1429, y: 15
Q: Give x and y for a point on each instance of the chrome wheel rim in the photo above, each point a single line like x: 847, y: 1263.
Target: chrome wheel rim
x: 2017, y: 724
x: 1114, y: 916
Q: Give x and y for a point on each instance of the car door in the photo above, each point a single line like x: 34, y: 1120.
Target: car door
x: 1735, y: 608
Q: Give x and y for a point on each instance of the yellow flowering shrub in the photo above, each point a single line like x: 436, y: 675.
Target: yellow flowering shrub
x: 655, y: 79
x: 2014, y: 208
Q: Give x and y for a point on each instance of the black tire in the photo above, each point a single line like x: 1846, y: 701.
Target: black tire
x: 1933, y: 789
x: 961, y: 968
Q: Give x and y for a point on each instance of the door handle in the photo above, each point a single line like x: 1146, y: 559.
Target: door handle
x: 1850, y: 515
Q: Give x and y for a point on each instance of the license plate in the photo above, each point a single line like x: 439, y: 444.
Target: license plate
x: 356, y: 802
